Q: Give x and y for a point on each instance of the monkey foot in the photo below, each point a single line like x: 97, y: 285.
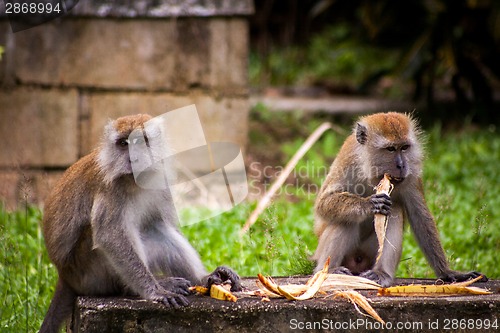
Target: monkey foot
x: 341, y: 270
x: 381, y: 278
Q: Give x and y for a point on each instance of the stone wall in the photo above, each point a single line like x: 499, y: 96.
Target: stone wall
x: 61, y: 81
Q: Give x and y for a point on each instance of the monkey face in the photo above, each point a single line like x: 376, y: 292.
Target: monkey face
x: 114, y: 157
x: 396, y: 161
x: 388, y: 144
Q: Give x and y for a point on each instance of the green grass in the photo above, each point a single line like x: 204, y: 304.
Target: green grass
x: 27, y: 278
x: 461, y: 181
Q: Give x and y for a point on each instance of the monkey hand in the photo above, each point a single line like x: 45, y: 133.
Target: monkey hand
x: 176, y: 285
x: 168, y: 298
x: 382, y: 278
x: 454, y: 276
x: 341, y: 270
x: 222, y: 274
x: 381, y: 203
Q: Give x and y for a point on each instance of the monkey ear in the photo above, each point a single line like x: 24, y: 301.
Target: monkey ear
x: 361, y: 133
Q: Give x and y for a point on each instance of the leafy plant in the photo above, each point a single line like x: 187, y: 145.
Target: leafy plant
x: 27, y: 278
x: 335, y: 58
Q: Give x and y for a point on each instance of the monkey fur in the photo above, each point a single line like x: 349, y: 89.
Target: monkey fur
x: 345, y: 205
x: 108, y: 236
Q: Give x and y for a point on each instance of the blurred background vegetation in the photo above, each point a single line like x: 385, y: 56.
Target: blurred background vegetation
x: 461, y: 182
x: 442, y: 54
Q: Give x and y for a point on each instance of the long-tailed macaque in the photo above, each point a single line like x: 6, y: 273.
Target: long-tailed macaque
x: 345, y: 207
x: 108, y: 236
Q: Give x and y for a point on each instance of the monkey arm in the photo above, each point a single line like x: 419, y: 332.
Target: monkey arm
x: 347, y: 208
x: 116, y: 242
x: 126, y: 261
x: 425, y: 231
x: 385, y: 269
x: 424, y: 228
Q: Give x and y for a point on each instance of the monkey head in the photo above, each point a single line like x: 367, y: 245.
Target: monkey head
x: 388, y: 143
x: 114, y: 156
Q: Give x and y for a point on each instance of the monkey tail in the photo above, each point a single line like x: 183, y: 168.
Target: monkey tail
x: 60, y: 308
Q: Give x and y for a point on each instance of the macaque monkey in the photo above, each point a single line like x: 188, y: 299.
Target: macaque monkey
x: 345, y: 206
x: 108, y: 236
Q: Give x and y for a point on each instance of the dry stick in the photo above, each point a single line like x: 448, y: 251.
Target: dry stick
x: 264, y: 202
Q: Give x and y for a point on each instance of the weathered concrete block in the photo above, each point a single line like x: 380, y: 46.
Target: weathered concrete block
x: 44, y: 182
x: 224, y: 119
x: 108, y: 106
x: 38, y: 127
x: 89, y: 67
x: 165, y: 55
x: 9, y: 189
x: 192, y: 52
x: 26, y: 186
x: 408, y: 314
x: 98, y: 53
x: 229, y: 55
x: 163, y: 8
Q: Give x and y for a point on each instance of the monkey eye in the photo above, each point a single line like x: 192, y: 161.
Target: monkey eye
x: 391, y: 148
x: 405, y: 147
x: 122, y: 142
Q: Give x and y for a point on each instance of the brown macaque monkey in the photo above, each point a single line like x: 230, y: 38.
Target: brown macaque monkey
x: 108, y: 236
x: 345, y: 207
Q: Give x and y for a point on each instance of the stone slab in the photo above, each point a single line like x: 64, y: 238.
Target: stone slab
x: 9, y: 189
x: 155, y: 9
x: 223, y: 119
x: 44, y: 183
x: 26, y: 186
x: 162, y: 8
x: 204, y: 314
x: 97, y: 53
x: 229, y: 55
x: 38, y: 127
x: 145, y: 55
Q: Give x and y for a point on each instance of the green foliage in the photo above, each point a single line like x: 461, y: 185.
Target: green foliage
x: 334, y: 57
x: 461, y: 176
x: 338, y: 57
x: 27, y: 279
x: 262, y: 248
x: 288, y: 132
x: 423, y: 50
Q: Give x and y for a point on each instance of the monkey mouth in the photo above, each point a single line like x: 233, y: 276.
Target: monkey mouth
x: 397, y: 180
x: 394, y: 180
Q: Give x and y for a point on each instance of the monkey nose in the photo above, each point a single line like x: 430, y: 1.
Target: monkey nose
x: 399, y: 163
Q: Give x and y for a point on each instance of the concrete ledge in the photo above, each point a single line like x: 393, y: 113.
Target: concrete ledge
x: 460, y: 314
x: 162, y: 8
